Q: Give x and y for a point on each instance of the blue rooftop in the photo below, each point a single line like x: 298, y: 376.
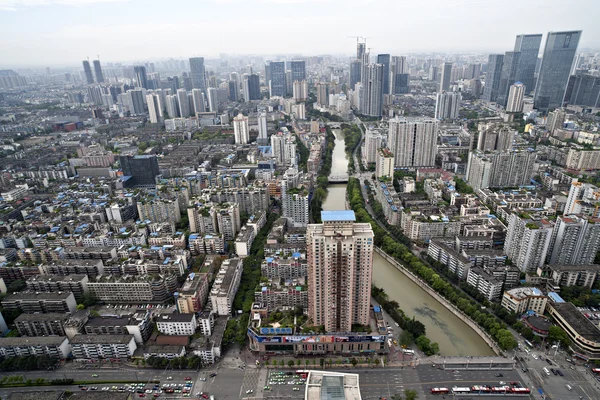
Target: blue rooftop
x: 555, y: 297
x: 341, y: 215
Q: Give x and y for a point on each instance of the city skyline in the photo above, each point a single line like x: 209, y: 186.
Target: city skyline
x: 151, y: 36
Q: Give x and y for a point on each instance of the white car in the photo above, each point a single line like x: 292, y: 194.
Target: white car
x: 169, y: 378
x: 105, y: 388
x: 249, y: 391
x: 534, y: 356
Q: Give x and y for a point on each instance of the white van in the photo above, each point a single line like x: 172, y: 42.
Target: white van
x: 569, y: 386
x: 546, y: 371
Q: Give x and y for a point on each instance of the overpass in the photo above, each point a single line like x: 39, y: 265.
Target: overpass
x: 338, y: 178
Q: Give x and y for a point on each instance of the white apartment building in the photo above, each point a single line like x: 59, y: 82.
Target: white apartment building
x: 103, y: 346
x: 521, y: 300
x: 226, y: 285
x: 177, y: 324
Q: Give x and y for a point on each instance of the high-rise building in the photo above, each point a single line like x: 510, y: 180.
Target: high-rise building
x: 142, y: 170
x: 515, y: 98
x: 154, y: 108
x: 213, y: 99
x: 135, y: 100
x: 473, y: 71
x: 267, y: 73
x: 575, y: 241
x: 199, y: 103
x: 323, y: 94
x: 529, y: 47
x: 398, y: 80
x: 98, y: 71
x: 559, y: 53
x: 582, y: 197
x: 556, y: 120
x: 492, y: 77
x: 500, y: 169
x: 433, y: 73
x: 172, y: 107
x: 446, y: 76
x: 372, y: 90
x: 373, y: 142
x: 494, y: 137
x: 141, y: 79
x: 527, y: 242
x: 583, y: 90
x: 294, y: 198
x: 384, y: 59
x: 300, y: 90
x: 184, y: 103
x: 87, y: 69
x: 232, y: 91
x: 262, y: 138
x: 277, y: 86
x: 251, y: 87
x: 361, y: 51
x: 355, y: 73
x: 298, y: 69
x: 340, y: 263
x: 241, y: 132
x: 197, y: 73
x: 413, y: 141
x: 284, y: 149
x: 507, y: 75
x: 447, y: 105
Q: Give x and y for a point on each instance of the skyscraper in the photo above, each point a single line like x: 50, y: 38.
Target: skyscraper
x: 323, y: 94
x: 262, y: 129
x: 372, y: 86
x: 98, y: 71
x: 529, y: 48
x: 213, y: 99
x: 141, y: 79
x: 507, y: 75
x: 199, y: 103
x: 184, y: 103
x: 559, y: 53
x: 340, y: 263
x: 88, y: 72
x: 277, y: 85
x: 583, y: 90
x: 241, y: 132
x: 142, y: 170
x: 355, y: 72
x: 251, y: 87
x: 232, y: 91
x: 384, y: 59
x: 300, y: 91
x: 398, y: 76
x: 413, y: 141
x: 447, y: 105
x: 515, y: 98
x: 294, y: 198
x: 575, y: 241
x: 197, y: 73
x: 154, y: 108
x: 446, y: 77
x: 492, y: 77
x: 298, y: 71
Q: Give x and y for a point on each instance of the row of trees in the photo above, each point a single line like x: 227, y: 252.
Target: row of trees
x: 352, y: 135
x: 304, y: 153
x: 191, y: 362
x: 411, y: 327
x: 320, y: 192
x: 27, y: 363
x: 19, y: 379
x: 496, y: 328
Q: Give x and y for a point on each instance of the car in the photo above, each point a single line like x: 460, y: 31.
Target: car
x: 156, y: 394
x: 94, y: 375
x: 558, y: 371
x: 187, y: 378
x: 553, y: 371
x: 148, y: 391
x: 502, y: 383
x: 169, y: 378
x: 499, y: 375
x: 548, y: 361
x: 534, y: 356
x: 84, y: 388
x: 105, y: 388
x: 267, y: 388
x: 296, y: 389
x: 524, y: 369
x: 249, y: 391
x: 93, y: 388
x: 203, y: 379
x: 204, y: 396
x: 213, y: 375
x: 142, y: 395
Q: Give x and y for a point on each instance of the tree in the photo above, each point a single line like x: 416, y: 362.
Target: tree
x: 291, y: 363
x: 267, y: 363
x: 321, y: 362
x: 410, y: 394
x: 556, y: 334
x: 354, y: 361
x: 80, y: 307
x: 306, y: 363
x: 281, y: 363
x: 299, y: 362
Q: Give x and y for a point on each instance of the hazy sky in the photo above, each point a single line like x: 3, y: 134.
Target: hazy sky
x: 63, y: 32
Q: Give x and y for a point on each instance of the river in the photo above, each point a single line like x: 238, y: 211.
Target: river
x: 454, y: 337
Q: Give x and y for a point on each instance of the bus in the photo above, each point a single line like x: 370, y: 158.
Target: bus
x: 460, y: 390
x: 596, y: 370
x: 407, y: 351
x: 524, y: 391
x: 500, y: 389
x: 440, y: 390
x: 480, y: 389
x: 302, y: 373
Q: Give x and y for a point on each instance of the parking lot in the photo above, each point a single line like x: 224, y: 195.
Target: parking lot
x: 151, y: 390
x: 284, y: 384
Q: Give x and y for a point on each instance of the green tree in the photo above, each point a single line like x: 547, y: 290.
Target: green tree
x: 291, y: 363
x: 354, y: 361
x: 281, y: 363
x: 556, y: 334
x: 411, y: 394
x: 299, y: 362
x: 80, y: 307
x: 306, y: 363
x: 321, y: 362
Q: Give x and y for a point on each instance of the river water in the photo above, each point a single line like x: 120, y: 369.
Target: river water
x: 454, y: 337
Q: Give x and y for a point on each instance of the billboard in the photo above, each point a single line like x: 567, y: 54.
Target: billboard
x: 313, y: 338
x: 275, y: 331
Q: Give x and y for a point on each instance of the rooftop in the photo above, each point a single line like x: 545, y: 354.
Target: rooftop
x: 37, y: 395
x: 574, y: 268
x: 32, y: 341
x: 521, y: 293
x: 583, y: 326
x: 322, y: 385
x: 36, y: 296
x: 175, y: 318
x: 341, y: 215
x: 101, y: 339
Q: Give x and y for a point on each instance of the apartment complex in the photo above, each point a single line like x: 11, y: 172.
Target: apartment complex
x: 225, y: 286
x: 177, y: 324
x: 521, y: 300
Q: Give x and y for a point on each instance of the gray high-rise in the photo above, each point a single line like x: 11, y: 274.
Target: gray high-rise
x: 298, y: 71
x: 446, y: 76
x: 355, y: 71
x: 372, y: 86
x: 87, y: 69
x: 559, y: 53
x: 529, y: 47
x: 492, y: 77
x: 583, y: 90
x: 277, y: 84
x: 197, y: 73
x: 384, y: 59
x: 140, y: 76
x: 507, y: 75
x: 251, y: 87
x: 98, y: 71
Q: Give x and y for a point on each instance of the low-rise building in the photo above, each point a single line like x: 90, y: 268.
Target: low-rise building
x: 206, y: 323
x: 521, y: 300
x: 177, y: 324
x: 163, y: 351
x: 583, y: 333
x: 192, y: 295
x: 103, y: 346
x: 485, y: 283
x: 53, y: 346
x: 50, y: 324
x: 574, y: 275
x: 133, y: 289
x: 89, y: 267
x: 243, y: 241
x: 226, y: 286
x: 278, y: 297
x: 139, y: 325
x: 76, y: 283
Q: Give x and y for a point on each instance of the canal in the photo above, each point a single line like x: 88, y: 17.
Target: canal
x: 454, y: 337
